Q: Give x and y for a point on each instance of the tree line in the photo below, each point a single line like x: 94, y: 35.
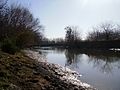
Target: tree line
x: 102, y: 36
x: 18, y: 27
x: 104, y: 32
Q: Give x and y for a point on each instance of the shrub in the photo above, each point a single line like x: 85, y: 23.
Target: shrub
x: 9, y: 47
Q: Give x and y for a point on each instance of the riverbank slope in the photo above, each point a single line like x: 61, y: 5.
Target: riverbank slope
x: 20, y: 72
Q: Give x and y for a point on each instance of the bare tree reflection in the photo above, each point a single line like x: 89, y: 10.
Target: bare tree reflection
x: 72, y: 58
x: 104, y: 61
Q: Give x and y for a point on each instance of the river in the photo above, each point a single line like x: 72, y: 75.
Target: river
x: 100, y: 69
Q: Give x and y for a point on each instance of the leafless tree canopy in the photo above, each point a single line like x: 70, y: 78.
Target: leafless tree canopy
x: 3, y: 3
x: 105, y: 31
x: 72, y: 34
x: 18, y: 24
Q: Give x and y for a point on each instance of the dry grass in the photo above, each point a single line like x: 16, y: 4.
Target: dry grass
x: 17, y: 72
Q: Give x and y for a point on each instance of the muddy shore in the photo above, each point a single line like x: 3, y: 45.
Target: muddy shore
x: 67, y: 77
x: 20, y: 72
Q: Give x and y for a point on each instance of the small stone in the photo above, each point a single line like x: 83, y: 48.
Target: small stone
x: 36, y: 73
x: 17, y: 57
x: 76, y: 88
x: 34, y: 81
x: 47, y: 78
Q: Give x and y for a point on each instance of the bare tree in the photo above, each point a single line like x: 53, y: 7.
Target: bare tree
x: 94, y: 36
x: 18, y: 24
x: 108, y: 30
x: 104, y: 31
x: 3, y: 3
x: 72, y: 34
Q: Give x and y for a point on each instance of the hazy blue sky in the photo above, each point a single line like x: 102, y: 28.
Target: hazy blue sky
x: 55, y: 15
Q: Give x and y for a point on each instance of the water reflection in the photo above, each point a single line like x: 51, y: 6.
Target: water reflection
x: 104, y: 61
x: 72, y: 58
x: 43, y: 50
x: 101, y: 69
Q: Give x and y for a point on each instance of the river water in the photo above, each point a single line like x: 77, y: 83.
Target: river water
x: 100, y: 69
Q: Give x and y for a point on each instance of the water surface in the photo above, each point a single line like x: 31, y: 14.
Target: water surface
x: 100, y: 69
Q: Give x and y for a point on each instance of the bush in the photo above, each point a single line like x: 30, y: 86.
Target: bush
x: 9, y: 47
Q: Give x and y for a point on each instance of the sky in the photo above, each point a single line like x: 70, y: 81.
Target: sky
x: 55, y: 15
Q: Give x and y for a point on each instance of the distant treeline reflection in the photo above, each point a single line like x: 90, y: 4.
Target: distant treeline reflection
x: 103, y: 60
